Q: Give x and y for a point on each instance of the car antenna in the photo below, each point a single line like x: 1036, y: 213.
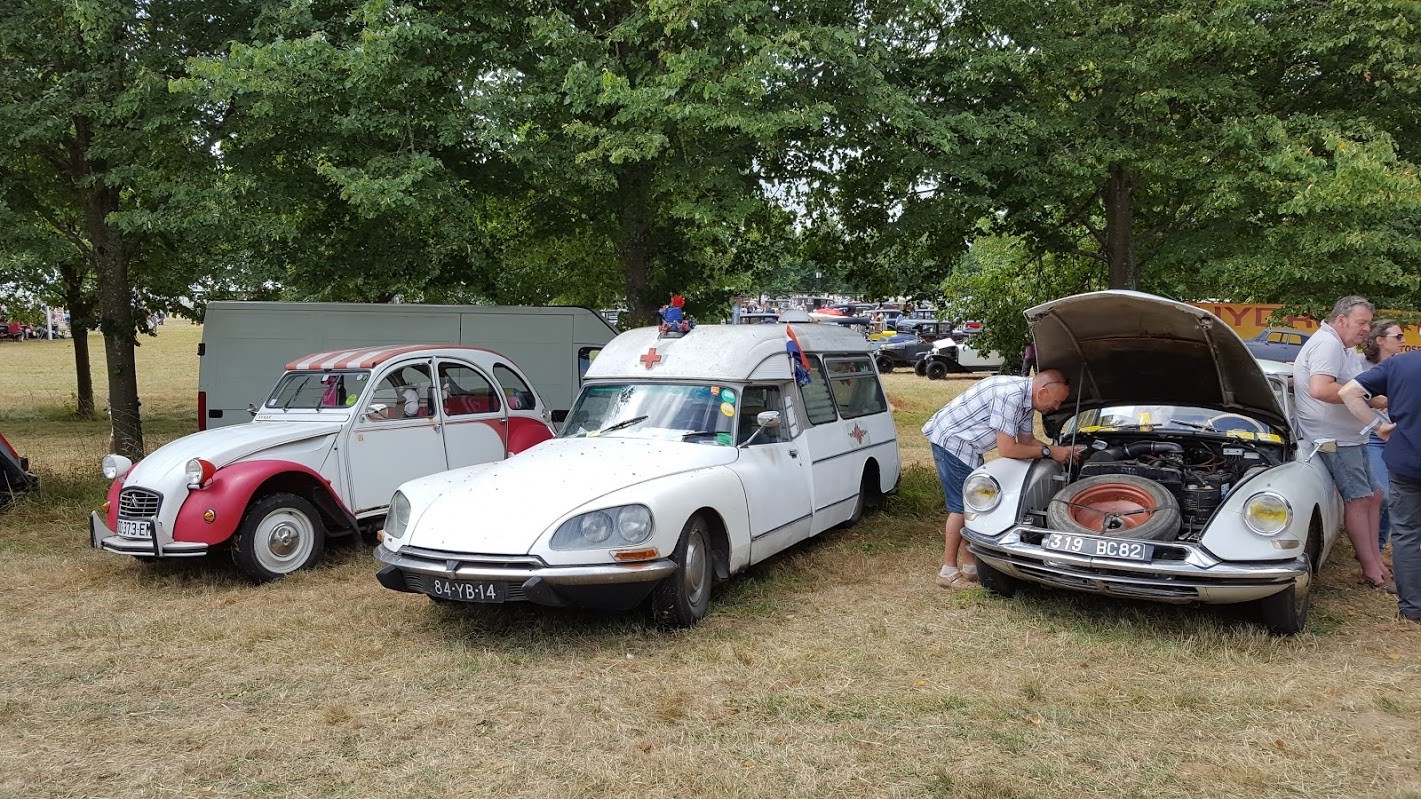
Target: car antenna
x: 1080, y: 384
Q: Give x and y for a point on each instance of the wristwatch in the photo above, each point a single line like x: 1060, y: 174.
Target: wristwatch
x: 1045, y: 451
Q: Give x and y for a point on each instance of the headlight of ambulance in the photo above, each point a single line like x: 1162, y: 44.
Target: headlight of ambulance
x: 981, y: 492
x: 397, y: 518
x: 115, y: 466
x: 611, y: 527
x: 1267, y: 513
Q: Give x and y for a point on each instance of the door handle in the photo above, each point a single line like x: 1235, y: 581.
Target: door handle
x: 438, y: 427
x: 794, y: 453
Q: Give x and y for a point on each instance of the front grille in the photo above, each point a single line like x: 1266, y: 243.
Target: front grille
x: 138, y: 503
x: 496, y: 561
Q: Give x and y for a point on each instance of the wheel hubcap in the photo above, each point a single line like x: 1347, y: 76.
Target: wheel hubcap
x: 284, y: 541
x: 697, y: 575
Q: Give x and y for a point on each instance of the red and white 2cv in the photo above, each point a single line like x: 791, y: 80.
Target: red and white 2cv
x: 321, y: 457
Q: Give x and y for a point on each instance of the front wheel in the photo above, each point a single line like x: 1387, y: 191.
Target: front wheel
x: 885, y: 364
x: 920, y: 367
x: 1286, y: 612
x: 997, y: 582
x: 280, y: 534
x: 936, y: 370
x: 682, y: 599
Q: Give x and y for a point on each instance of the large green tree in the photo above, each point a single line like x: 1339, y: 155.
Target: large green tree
x: 101, y: 153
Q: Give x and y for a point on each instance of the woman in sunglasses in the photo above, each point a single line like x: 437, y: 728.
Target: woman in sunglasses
x: 1384, y: 340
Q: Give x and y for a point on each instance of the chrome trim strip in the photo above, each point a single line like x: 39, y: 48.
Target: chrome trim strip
x: 593, y: 574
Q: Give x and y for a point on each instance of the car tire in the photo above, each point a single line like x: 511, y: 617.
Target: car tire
x: 885, y: 364
x: 869, y: 497
x: 280, y: 534
x: 1286, y: 612
x: 1121, y: 505
x: 936, y: 370
x: 920, y: 367
x: 995, y: 581
x: 682, y: 599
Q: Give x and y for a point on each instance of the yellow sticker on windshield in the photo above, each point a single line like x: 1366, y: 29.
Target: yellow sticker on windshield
x: 1145, y: 421
x: 727, y: 409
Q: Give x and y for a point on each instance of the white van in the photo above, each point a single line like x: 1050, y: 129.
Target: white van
x: 245, y: 343
x: 684, y: 460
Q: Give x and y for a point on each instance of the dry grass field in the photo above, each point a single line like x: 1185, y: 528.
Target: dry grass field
x: 838, y: 670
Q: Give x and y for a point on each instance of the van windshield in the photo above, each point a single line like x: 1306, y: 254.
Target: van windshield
x: 307, y: 391
x: 700, y: 413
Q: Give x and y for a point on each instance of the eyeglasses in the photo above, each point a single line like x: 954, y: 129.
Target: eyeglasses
x: 1397, y: 336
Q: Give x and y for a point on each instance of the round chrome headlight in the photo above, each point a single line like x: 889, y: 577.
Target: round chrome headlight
x: 397, y: 518
x: 981, y: 492
x: 634, y: 524
x: 595, y: 527
x: 115, y: 466
x: 1267, y: 513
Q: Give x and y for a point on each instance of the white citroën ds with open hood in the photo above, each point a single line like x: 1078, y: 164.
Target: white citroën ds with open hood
x: 685, y: 460
x: 1193, y: 486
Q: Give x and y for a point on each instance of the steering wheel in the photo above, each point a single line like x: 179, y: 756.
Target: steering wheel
x: 1232, y: 421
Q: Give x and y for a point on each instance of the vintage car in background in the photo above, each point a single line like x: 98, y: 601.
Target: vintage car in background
x: 1193, y: 487
x: 951, y: 356
x: 1277, y: 344
x: 684, y: 461
x: 321, y: 456
x: 15, y: 475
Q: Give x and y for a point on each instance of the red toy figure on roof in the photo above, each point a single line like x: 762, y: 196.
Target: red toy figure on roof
x: 673, y: 319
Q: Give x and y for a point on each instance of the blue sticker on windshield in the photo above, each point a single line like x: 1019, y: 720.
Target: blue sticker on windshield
x: 727, y: 395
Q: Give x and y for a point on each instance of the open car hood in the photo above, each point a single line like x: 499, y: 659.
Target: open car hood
x: 1129, y: 348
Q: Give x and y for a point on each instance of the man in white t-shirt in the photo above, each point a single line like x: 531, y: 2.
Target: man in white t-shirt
x: 1325, y: 364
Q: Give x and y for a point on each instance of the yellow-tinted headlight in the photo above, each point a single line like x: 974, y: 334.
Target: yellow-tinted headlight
x: 981, y: 492
x: 1267, y: 513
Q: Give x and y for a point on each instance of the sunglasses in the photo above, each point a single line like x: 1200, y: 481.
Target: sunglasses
x: 1397, y: 336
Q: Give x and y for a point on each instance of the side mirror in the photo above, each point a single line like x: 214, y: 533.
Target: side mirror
x: 768, y: 419
x: 375, y: 412
x: 1328, y: 445
x: 252, y: 409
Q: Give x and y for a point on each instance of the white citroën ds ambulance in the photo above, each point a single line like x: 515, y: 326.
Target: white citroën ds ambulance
x: 685, y: 460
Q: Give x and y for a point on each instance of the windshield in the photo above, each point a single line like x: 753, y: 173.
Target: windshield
x: 1159, y: 418
x: 317, y: 390
x: 673, y: 412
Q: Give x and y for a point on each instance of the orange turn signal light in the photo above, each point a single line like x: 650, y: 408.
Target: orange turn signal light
x: 209, y: 516
x: 626, y: 555
x: 106, y: 506
x: 380, y: 536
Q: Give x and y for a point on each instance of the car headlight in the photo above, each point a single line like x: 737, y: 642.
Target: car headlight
x: 981, y: 492
x: 198, y: 472
x: 115, y: 466
x: 1267, y: 513
x: 628, y: 524
x: 397, y: 518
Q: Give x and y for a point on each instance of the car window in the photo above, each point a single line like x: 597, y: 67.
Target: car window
x: 308, y: 390
x: 1275, y: 338
x: 1295, y: 339
x: 401, y: 394
x: 755, y: 400
x: 466, y: 391
x: 701, y: 413
x: 854, y: 384
x: 520, y: 397
x: 818, y: 404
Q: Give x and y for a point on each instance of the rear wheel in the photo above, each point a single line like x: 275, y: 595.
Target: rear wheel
x: 920, y: 367
x: 885, y: 364
x: 936, y: 370
x: 869, y: 497
x: 280, y: 534
x: 682, y: 599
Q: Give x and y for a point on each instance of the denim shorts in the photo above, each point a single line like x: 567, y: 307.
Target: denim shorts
x: 952, y: 473
x: 1351, y: 471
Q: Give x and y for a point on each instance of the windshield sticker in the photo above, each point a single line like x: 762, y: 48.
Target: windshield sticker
x: 727, y: 395
x: 727, y: 409
x: 722, y: 439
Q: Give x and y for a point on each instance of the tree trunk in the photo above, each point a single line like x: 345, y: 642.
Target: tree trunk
x: 84, y: 379
x: 115, y: 299
x: 1119, y: 237
x: 635, y: 248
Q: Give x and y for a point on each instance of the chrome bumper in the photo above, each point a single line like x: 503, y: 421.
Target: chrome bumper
x: 101, y: 537
x: 560, y: 576
x: 1198, y: 577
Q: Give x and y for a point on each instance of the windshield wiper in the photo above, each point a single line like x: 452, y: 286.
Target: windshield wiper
x: 685, y: 436
x: 621, y: 424
x: 296, y: 392
x: 1208, y: 428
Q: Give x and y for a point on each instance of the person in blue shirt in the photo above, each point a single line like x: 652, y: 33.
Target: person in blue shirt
x: 1399, y: 380
x: 1383, y: 341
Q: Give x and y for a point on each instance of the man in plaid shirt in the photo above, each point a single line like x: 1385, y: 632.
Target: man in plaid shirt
x: 994, y: 414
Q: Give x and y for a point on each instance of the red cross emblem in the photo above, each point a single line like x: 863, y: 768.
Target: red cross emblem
x: 857, y: 433
x: 651, y: 358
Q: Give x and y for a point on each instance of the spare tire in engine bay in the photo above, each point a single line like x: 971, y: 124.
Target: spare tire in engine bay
x: 1122, y: 505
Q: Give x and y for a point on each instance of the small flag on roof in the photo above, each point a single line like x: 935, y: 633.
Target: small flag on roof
x: 797, y: 357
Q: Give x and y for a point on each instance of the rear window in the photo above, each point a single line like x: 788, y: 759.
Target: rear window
x: 854, y: 383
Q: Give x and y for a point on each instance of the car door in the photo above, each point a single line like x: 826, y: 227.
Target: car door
x: 475, y: 415
x: 395, y: 437
x: 774, y: 470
